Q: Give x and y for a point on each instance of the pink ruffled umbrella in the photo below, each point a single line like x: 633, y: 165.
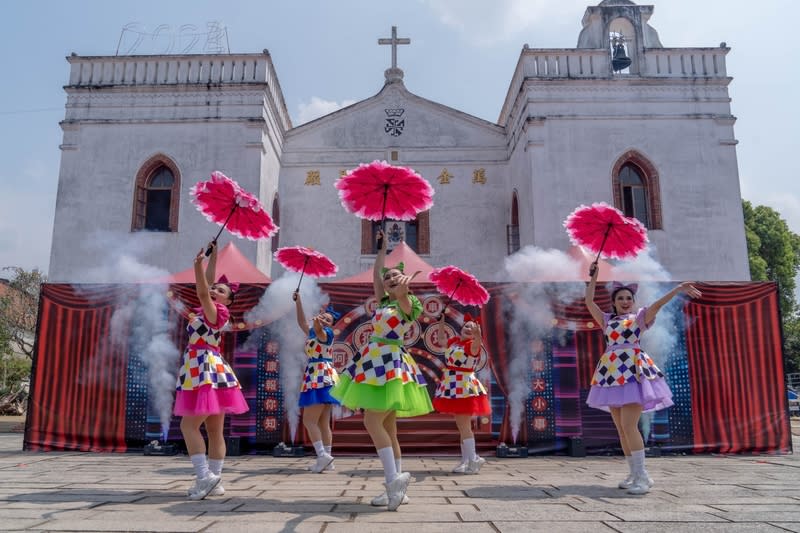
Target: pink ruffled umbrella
x: 306, y: 261
x: 224, y: 202
x: 462, y: 286
x: 603, y: 229
x: 378, y: 190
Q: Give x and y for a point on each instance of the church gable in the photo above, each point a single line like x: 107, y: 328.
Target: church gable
x: 397, y: 118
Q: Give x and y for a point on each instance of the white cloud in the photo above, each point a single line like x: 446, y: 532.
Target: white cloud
x: 318, y: 107
x: 488, y: 23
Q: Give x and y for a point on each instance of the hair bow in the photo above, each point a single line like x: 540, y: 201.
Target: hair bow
x: 617, y: 286
x: 333, y: 313
x: 469, y: 318
x: 232, y: 285
x: 399, y: 266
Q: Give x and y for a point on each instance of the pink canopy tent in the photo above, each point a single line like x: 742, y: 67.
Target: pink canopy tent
x: 401, y: 252
x: 232, y: 263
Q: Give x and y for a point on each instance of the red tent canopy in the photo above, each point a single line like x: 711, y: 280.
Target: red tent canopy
x: 232, y: 263
x: 401, y: 252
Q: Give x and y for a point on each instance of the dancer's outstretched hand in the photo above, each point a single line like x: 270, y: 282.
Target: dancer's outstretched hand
x: 689, y: 290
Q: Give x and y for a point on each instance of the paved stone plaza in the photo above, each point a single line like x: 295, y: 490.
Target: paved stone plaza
x: 132, y: 492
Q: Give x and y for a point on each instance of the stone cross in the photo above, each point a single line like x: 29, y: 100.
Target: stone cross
x: 394, y: 41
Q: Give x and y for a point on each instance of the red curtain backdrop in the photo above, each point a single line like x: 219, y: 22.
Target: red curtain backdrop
x: 78, y: 386
x: 733, y: 341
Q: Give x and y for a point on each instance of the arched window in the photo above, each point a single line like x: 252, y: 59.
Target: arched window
x: 276, y: 218
x: 156, y: 196
x: 636, y: 189
x: 416, y: 234
x: 512, y: 230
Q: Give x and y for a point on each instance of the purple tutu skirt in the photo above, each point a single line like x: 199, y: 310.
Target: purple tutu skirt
x: 317, y: 396
x: 651, y: 394
x: 210, y: 401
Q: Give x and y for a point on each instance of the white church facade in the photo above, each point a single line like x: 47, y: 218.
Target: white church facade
x: 652, y: 135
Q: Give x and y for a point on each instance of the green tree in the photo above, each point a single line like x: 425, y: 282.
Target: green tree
x: 774, y: 252
x: 791, y: 335
x: 19, y: 308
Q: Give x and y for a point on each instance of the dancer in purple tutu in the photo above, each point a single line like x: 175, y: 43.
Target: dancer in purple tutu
x: 627, y: 382
x: 207, y: 388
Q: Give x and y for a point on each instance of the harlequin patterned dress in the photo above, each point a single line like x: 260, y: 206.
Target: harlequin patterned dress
x: 460, y: 392
x: 320, y: 376
x: 625, y: 374
x: 206, y: 383
x: 384, y: 376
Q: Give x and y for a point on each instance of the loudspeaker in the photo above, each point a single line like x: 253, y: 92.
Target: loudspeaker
x: 575, y: 447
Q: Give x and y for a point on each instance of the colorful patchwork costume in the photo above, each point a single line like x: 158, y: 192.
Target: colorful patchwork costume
x: 460, y: 392
x: 625, y: 373
x: 206, y: 384
x: 384, y: 376
x: 320, y: 376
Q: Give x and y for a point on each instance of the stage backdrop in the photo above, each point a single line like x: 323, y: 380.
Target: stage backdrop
x: 93, y: 385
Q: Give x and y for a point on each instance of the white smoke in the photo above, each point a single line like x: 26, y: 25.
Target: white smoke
x: 141, y: 320
x: 532, y: 317
x: 277, y: 308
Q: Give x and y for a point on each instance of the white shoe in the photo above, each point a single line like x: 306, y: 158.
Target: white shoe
x: 628, y: 481
x: 322, y: 463
x: 396, y: 490
x: 641, y: 485
x: 203, y: 487
x: 460, y: 468
x: 331, y: 466
x: 383, y: 500
x: 474, y: 466
x: 219, y: 490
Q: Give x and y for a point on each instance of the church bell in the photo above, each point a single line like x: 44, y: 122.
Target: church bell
x: 619, y: 60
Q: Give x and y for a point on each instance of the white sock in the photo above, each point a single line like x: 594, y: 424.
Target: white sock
x: 464, y: 456
x: 629, y: 460
x: 386, y: 456
x: 215, y: 465
x: 329, y: 449
x: 200, y: 464
x: 398, y: 464
x: 468, y: 450
x: 318, y: 447
x: 637, y: 460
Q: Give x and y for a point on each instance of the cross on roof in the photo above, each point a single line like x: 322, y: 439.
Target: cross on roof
x: 394, y: 41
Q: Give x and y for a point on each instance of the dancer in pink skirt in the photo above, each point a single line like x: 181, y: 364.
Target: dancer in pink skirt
x: 626, y: 381
x: 207, y: 387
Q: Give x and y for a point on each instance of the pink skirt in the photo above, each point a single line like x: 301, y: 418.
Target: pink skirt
x: 210, y: 401
x: 651, y: 394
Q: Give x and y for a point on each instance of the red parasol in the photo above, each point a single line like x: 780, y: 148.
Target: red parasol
x: 306, y: 261
x: 604, y: 229
x: 462, y: 286
x: 378, y: 189
x: 223, y: 201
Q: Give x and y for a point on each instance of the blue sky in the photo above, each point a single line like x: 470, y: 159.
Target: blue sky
x: 462, y: 54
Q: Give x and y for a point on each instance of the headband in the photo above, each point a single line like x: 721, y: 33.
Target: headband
x: 469, y: 318
x: 232, y: 285
x: 399, y: 266
x: 333, y: 313
x: 617, y: 286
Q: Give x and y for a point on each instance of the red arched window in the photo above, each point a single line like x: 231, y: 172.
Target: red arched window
x: 636, y: 189
x: 156, y: 196
x: 416, y: 234
x: 512, y: 230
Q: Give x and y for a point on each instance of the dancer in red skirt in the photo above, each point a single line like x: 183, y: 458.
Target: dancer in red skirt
x: 460, y: 393
x: 207, y: 388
